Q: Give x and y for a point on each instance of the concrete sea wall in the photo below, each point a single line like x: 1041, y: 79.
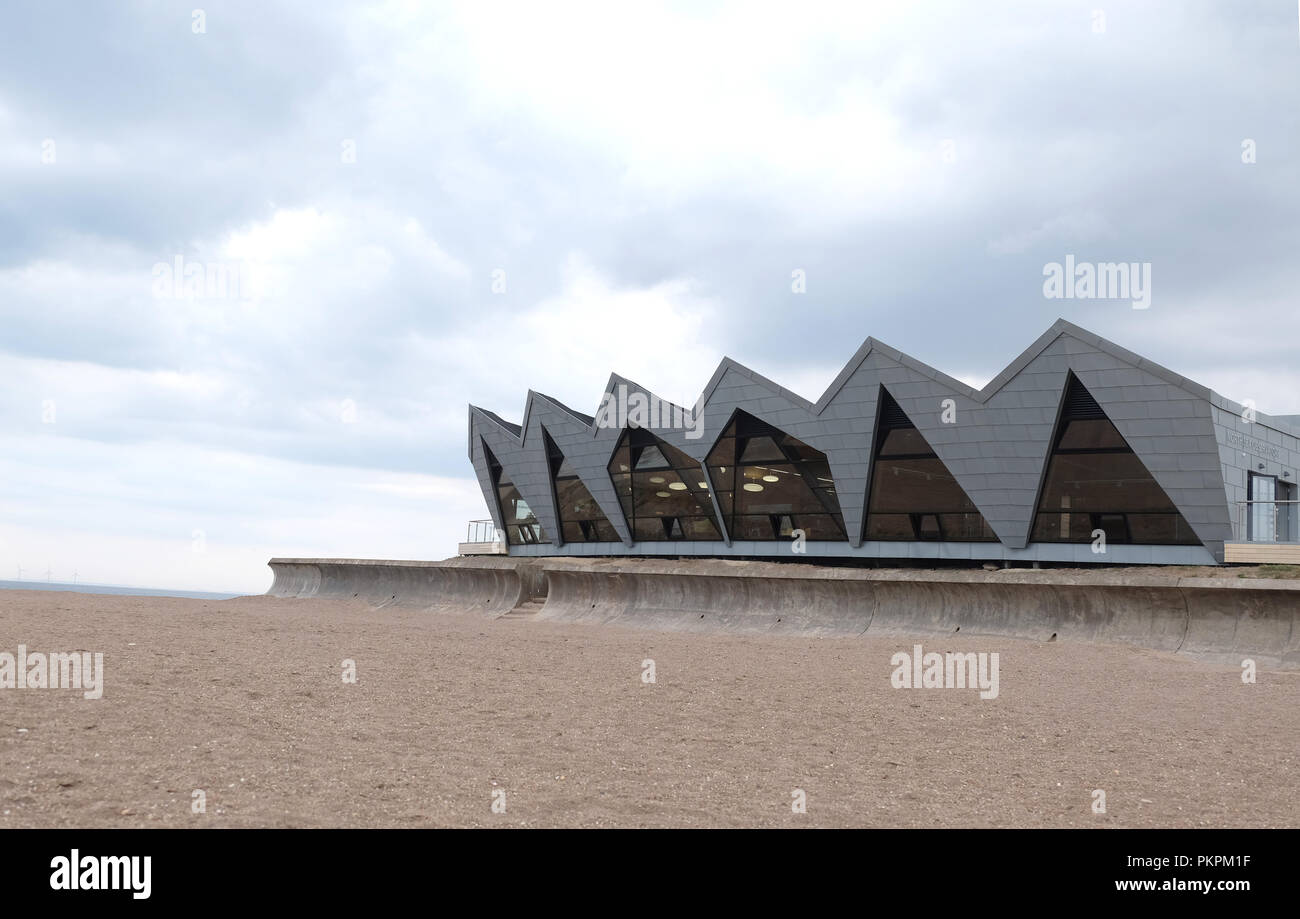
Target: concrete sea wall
x: 1216, y: 618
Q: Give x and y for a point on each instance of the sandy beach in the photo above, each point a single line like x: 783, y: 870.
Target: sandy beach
x: 245, y: 701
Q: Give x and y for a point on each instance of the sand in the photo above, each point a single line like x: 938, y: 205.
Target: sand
x: 245, y: 700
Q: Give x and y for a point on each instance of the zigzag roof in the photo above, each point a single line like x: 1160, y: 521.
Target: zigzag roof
x: 1061, y: 326
x: 997, y: 452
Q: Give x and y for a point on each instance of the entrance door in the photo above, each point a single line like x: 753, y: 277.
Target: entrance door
x: 1287, y: 513
x: 1262, y: 517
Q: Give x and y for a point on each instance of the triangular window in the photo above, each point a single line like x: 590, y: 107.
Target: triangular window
x: 580, y: 517
x: 771, y: 484
x: 522, y: 526
x: 663, y: 491
x: 1096, y: 485
x: 913, y: 495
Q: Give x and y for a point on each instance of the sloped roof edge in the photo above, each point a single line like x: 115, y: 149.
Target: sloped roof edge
x: 1058, y: 328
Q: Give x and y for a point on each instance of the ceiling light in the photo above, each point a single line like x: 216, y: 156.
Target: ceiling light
x: 704, y: 485
x: 753, y: 486
x: 662, y: 494
x: 770, y: 478
x: 677, y: 486
x: 656, y: 480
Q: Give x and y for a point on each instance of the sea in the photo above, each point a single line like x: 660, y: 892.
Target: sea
x: 116, y: 589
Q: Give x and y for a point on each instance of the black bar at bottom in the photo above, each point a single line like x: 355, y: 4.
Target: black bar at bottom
x: 367, y: 867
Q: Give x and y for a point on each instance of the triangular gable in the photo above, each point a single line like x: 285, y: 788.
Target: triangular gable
x: 913, y: 496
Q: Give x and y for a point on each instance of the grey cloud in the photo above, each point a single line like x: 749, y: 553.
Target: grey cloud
x: 1139, y: 128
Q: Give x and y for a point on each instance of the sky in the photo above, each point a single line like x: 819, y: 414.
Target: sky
x: 256, y: 259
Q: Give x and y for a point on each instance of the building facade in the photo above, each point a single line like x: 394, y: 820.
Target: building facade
x: 1079, y: 452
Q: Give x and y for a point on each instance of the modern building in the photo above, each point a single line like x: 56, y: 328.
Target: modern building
x: 1079, y: 452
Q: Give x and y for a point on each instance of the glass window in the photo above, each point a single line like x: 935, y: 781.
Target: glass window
x: 1262, y: 517
x: 904, y: 442
x: 1096, y: 482
x: 662, y: 490
x: 759, y: 449
x: 580, y: 517
x: 1287, y: 517
x: 1091, y: 434
x: 521, y: 525
x: 913, y: 495
x: 771, y: 484
x: 890, y: 527
x: 651, y: 457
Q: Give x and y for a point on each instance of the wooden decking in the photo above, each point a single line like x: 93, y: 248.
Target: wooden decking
x: 481, y: 548
x: 1262, y: 553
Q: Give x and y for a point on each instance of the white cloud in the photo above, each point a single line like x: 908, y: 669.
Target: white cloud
x: 1067, y: 229
x: 119, y: 514
x: 731, y: 99
x: 646, y: 176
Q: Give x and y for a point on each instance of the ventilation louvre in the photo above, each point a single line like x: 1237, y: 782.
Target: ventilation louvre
x: 892, y: 416
x: 1079, y: 403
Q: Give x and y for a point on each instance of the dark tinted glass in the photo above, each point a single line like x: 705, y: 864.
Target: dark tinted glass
x: 580, y: 517
x: 662, y: 490
x: 771, y: 484
x: 521, y: 525
x: 913, y: 495
x: 1096, y: 483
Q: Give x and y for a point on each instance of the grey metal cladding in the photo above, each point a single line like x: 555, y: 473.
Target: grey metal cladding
x: 523, y: 459
x: 1177, y: 425
x: 1247, y: 442
x: 588, y: 455
x: 994, y: 441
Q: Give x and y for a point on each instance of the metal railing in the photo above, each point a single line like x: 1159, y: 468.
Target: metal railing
x: 1267, y: 521
x: 483, y: 531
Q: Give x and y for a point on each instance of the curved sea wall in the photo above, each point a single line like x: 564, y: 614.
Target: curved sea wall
x: 1217, y: 618
x: 493, y: 586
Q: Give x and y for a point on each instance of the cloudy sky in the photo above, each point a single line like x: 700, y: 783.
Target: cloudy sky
x: 417, y: 206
